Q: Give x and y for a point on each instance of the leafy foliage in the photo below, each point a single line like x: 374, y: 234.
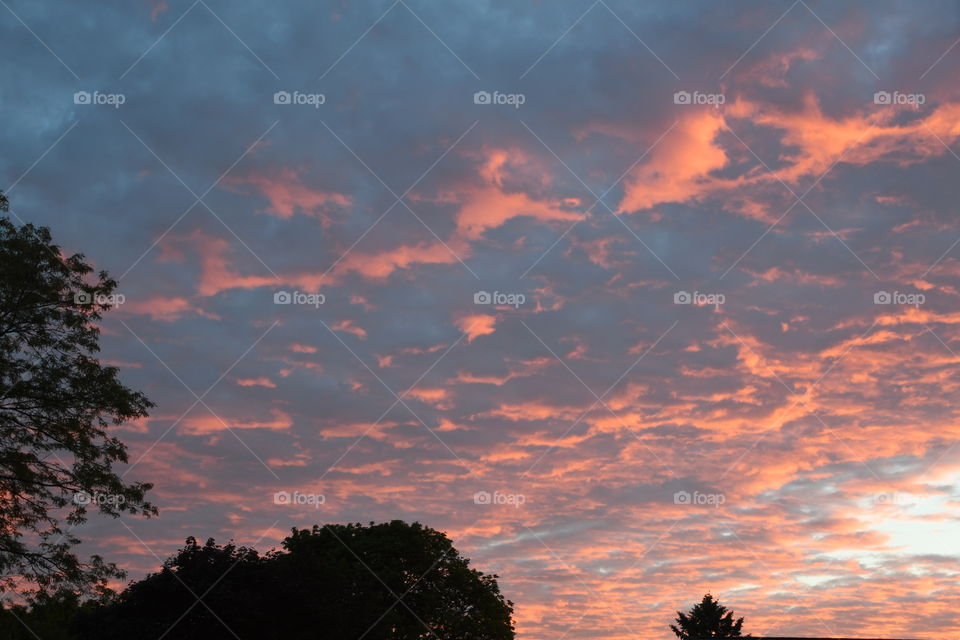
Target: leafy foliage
x: 707, y: 619
x: 227, y: 579
x: 383, y: 562
x: 56, y: 404
x: 49, y: 617
x: 340, y: 581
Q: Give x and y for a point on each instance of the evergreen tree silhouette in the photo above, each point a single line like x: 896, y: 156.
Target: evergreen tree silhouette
x: 707, y: 619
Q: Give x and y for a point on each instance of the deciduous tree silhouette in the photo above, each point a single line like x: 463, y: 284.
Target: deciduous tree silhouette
x: 389, y: 581
x: 198, y: 593
x: 56, y: 404
x: 707, y: 619
x: 48, y: 617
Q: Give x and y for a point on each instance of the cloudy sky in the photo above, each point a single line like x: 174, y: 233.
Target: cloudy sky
x: 634, y: 300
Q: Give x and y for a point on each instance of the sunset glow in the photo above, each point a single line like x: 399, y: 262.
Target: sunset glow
x: 635, y: 301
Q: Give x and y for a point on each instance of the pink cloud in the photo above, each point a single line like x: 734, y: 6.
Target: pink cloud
x: 678, y: 168
x: 379, y: 266
x: 287, y: 194
x: 437, y: 397
x: 348, y: 326
x: 256, y: 382
x: 156, y: 8
x: 165, y: 309
x: 476, y: 325
x: 205, y: 424
x: 492, y: 203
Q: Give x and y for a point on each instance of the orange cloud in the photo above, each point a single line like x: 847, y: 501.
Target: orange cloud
x: 357, y: 429
x: 491, y: 204
x: 287, y: 193
x: 348, y: 326
x: 379, y: 266
x: 164, y: 309
x: 437, y: 397
x: 156, y: 8
x: 299, y: 460
x: 256, y: 382
x: 209, y: 424
x: 476, y: 325
x: 679, y: 166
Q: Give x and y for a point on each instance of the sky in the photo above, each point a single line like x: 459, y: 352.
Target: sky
x: 636, y: 301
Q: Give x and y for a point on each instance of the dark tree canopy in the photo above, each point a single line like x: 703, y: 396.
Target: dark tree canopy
x: 56, y: 404
x: 49, y: 617
x: 335, y: 581
x: 707, y: 619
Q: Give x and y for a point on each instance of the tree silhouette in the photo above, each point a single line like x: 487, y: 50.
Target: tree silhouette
x: 56, y: 404
x: 49, y: 617
x: 389, y: 581
x: 707, y: 619
x: 227, y: 578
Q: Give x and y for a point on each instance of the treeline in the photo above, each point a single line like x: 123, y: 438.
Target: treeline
x: 380, y: 581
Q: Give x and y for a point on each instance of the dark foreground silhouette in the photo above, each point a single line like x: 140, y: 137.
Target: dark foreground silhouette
x: 707, y: 619
x: 58, y: 408
x: 392, y: 580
